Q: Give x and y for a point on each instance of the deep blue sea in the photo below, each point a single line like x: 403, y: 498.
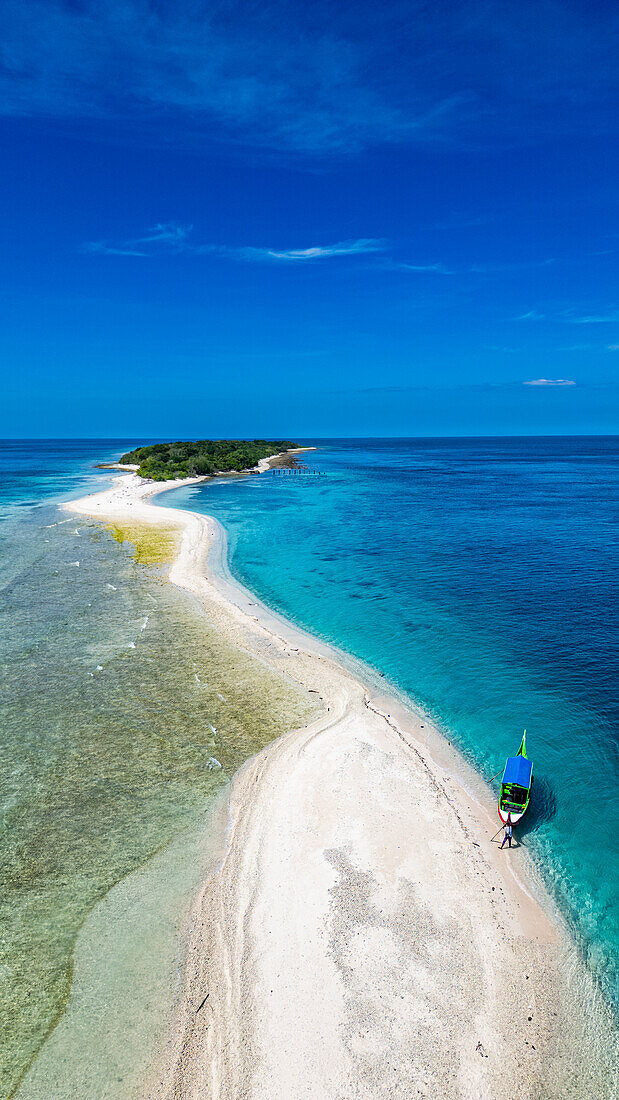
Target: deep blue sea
x: 482, y: 578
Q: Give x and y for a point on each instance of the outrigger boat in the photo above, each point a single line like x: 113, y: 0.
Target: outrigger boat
x: 516, y: 785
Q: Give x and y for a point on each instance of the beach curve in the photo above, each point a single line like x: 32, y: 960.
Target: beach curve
x: 361, y: 936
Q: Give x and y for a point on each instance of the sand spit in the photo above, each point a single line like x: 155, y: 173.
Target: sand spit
x: 361, y: 936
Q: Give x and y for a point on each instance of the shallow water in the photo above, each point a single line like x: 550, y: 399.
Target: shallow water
x: 481, y: 577
x: 122, y: 716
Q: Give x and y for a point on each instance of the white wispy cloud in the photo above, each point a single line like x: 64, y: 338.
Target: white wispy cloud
x: 431, y: 269
x: 163, y: 237
x: 439, y: 268
x: 317, y: 252
x: 174, y: 238
x: 472, y: 387
x: 550, y: 382
x: 103, y: 249
x: 167, y: 233
x: 571, y: 317
x: 589, y: 347
x: 608, y: 318
x: 317, y: 78
x: 248, y: 73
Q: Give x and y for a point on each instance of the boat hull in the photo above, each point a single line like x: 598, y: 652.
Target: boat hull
x: 516, y: 786
x: 515, y: 817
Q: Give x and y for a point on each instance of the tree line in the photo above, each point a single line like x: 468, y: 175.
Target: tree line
x: 166, y: 461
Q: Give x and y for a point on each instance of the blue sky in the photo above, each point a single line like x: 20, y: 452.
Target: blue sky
x: 308, y: 219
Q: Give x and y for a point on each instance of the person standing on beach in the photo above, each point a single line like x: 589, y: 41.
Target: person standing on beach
x: 508, y: 831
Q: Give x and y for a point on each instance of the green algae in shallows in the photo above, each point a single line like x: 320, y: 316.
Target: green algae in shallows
x: 153, y: 545
x: 146, y: 713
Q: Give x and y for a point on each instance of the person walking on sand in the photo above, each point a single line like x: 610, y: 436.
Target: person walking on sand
x: 508, y: 831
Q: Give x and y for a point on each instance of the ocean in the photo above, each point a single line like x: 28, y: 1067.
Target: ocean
x: 479, y: 576
x: 123, y: 716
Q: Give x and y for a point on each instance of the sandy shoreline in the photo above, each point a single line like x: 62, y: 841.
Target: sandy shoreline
x: 361, y: 936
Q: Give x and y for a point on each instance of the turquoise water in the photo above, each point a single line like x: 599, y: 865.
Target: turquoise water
x: 481, y: 577
x: 122, y: 716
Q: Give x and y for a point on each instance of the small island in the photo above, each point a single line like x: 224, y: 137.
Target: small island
x: 167, y: 461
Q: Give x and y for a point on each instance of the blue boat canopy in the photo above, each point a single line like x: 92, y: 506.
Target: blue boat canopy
x: 518, y: 770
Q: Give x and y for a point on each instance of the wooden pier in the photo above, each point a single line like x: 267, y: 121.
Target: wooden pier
x: 299, y: 469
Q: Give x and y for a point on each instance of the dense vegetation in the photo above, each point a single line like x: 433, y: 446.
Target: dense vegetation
x: 164, y: 461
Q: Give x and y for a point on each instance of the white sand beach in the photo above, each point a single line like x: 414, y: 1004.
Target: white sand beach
x: 361, y: 935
